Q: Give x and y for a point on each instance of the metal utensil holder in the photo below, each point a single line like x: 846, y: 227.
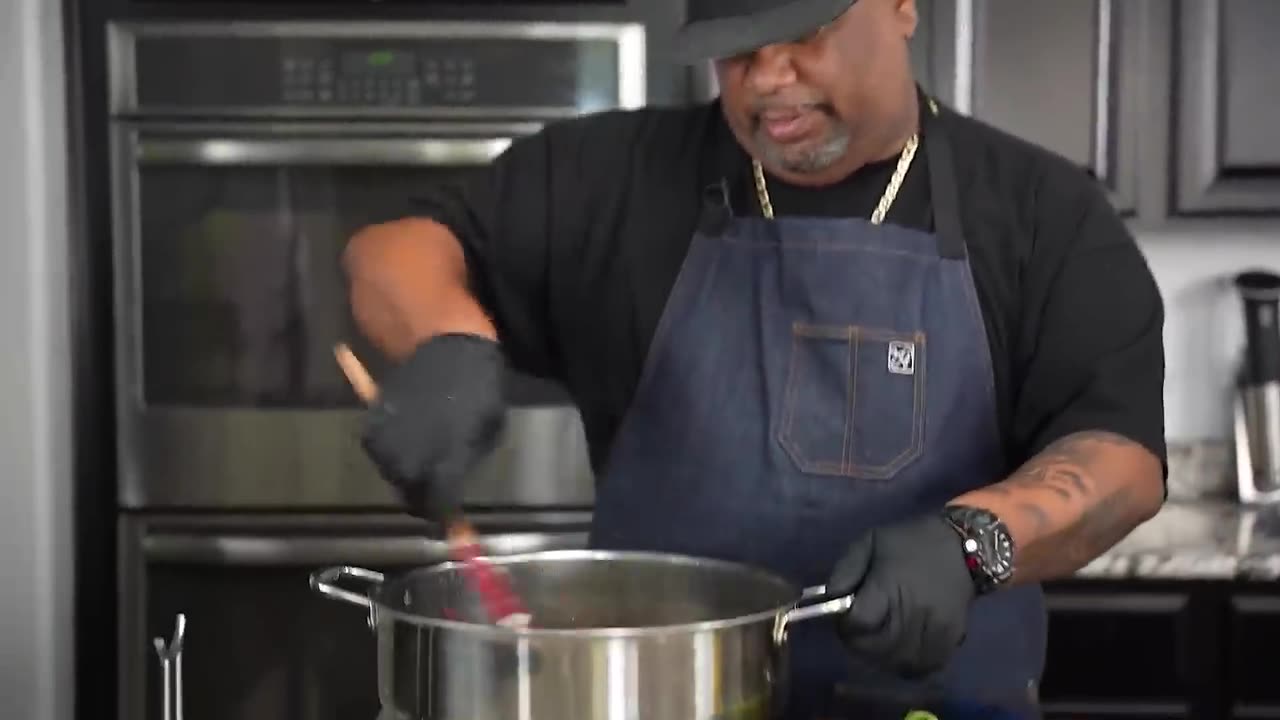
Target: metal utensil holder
x: 171, y: 669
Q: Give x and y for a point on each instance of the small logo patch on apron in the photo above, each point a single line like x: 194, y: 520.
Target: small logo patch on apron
x: 902, y: 357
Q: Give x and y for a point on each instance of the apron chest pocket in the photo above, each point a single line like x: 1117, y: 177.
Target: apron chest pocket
x: 853, y: 403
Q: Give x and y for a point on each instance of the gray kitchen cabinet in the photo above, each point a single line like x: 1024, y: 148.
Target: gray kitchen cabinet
x: 1065, y: 75
x: 933, y: 48
x: 1226, y: 110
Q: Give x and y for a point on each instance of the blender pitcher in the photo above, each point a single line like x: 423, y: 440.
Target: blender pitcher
x: 1257, y: 400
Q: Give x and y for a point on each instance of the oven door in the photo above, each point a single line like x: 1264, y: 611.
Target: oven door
x: 260, y: 644
x: 230, y: 297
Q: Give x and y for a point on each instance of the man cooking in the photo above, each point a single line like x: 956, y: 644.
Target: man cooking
x: 823, y: 325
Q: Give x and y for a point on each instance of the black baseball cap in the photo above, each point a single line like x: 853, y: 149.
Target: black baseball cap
x: 723, y: 28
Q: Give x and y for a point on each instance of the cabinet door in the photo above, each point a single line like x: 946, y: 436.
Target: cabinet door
x: 1255, y: 656
x: 1117, y: 654
x: 1227, y: 112
x: 1064, y: 75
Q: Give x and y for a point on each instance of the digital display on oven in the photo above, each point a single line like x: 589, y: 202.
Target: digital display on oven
x: 378, y: 62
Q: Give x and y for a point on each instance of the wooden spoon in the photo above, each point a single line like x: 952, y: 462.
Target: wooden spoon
x: 501, y: 601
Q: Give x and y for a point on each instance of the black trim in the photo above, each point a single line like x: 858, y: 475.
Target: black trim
x: 942, y: 186
x: 90, y: 304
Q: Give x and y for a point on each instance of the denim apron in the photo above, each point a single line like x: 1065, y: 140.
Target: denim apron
x: 809, y: 379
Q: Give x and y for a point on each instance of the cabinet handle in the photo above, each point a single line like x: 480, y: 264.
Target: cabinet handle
x: 170, y: 656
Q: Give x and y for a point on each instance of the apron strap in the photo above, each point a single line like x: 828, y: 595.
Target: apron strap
x: 721, y: 171
x: 715, y: 211
x: 942, y: 186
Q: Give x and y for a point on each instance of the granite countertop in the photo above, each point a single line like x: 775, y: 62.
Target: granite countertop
x: 1197, y: 540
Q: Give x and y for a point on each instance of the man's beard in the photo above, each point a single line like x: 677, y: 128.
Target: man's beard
x: 805, y: 159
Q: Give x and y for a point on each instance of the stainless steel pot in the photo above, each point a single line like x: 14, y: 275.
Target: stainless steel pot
x: 615, y: 636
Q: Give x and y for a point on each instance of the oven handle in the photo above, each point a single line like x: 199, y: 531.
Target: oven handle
x: 374, y: 550
x: 241, y: 151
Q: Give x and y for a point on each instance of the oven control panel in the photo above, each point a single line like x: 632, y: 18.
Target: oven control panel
x: 430, y: 68
x: 381, y: 76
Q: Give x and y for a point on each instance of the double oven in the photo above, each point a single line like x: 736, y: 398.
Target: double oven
x: 244, y: 155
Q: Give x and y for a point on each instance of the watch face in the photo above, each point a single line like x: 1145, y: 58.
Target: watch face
x: 998, y: 555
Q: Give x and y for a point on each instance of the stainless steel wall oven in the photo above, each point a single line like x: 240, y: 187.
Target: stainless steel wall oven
x: 244, y: 155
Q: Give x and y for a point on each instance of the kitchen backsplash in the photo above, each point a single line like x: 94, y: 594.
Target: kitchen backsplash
x: 1204, y: 336
x: 1204, y: 323
x: 1201, y: 469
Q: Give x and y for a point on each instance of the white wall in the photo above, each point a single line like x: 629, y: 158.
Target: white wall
x: 1204, y: 327
x: 35, y: 487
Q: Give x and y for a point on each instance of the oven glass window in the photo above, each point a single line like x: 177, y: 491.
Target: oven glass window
x: 243, y: 296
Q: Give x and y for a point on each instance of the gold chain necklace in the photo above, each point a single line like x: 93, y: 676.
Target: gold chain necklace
x: 890, y: 191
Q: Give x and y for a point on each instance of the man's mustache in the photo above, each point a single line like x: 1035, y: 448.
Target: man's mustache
x: 779, y: 107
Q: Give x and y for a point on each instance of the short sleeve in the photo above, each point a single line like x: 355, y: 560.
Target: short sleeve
x: 1093, y: 324
x: 502, y: 215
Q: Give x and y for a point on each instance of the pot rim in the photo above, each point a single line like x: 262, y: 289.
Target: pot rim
x: 775, y: 615
x: 566, y: 555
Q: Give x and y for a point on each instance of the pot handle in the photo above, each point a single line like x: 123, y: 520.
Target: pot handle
x: 326, y: 582
x: 814, y: 602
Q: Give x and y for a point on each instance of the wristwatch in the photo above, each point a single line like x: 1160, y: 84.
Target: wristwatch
x: 986, y: 543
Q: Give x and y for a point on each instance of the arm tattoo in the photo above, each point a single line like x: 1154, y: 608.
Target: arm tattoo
x: 1072, y: 515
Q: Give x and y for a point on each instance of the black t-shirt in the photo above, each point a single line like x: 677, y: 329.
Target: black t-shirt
x: 575, y: 235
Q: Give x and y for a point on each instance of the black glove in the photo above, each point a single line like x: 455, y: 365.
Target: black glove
x: 437, y: 415
x: 912, y: 592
